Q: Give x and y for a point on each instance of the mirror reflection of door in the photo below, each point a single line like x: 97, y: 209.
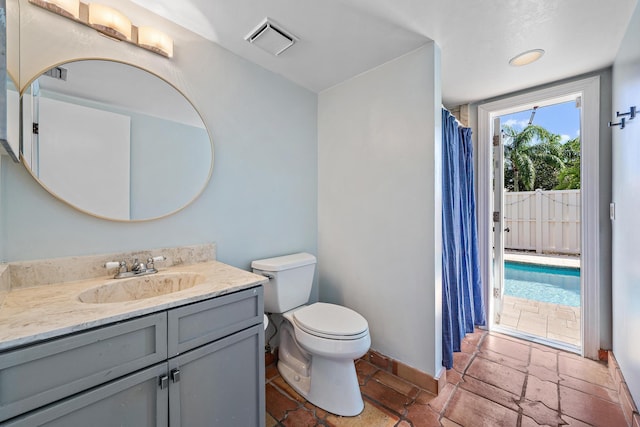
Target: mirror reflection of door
x: 78, y: 141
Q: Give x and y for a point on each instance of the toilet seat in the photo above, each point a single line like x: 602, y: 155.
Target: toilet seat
x: 331, y: 321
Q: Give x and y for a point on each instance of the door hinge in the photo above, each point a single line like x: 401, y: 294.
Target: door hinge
x: 496, y: 140
x: 36, y: 129
x: 496, y: 292
x: 496, y: 216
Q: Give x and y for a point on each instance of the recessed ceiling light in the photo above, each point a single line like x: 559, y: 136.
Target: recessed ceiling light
x: 526, y: 58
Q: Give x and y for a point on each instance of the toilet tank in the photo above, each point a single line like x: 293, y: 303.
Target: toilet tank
x: 290, y: 280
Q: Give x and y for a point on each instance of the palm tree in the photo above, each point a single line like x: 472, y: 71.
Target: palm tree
x: 523, y: 148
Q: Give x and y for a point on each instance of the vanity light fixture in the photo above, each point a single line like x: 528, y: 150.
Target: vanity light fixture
x: 111, y: 23
x: 526, y: 58
x: 67, y: 8
x: 156, y: 41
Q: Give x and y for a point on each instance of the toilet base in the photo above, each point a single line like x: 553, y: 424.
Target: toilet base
x: 328, y: 383
x: 332, y: 386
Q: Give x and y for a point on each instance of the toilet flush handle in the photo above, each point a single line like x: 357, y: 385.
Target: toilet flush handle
x: 267, y: 275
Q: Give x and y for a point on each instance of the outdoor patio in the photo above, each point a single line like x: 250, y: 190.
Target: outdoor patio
x: 550, y: 321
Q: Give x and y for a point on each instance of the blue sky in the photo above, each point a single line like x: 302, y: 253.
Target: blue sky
x: 562, y: 119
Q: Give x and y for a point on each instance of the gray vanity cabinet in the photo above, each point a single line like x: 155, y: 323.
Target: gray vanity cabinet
x: 194, y: 325
x: 211, y: 375
x: 135, y: 400
x: 204, y: 395
x: 40, y: 374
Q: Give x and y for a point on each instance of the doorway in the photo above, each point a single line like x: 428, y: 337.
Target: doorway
x: 587, y: 92
x: 537, y: 203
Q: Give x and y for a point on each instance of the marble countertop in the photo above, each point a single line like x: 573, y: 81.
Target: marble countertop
x: 28, y: 315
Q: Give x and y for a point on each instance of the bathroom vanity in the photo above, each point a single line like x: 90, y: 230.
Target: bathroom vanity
x: 191, y: 357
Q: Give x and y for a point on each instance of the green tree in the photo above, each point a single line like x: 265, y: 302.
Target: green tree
x: 569, y: 176
x: 523, y: 149
x: 546, y: 175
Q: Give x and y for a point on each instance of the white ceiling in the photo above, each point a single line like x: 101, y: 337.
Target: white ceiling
x: 342, y: 38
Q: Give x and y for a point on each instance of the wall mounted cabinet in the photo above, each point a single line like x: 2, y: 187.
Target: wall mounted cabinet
x: 9, y: 73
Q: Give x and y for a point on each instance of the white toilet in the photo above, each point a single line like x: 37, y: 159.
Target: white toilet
x: 318, y: 342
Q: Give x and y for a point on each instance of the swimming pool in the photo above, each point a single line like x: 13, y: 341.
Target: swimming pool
x: 556, y: 285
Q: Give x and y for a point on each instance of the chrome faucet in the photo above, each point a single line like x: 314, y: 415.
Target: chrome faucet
x: 137, y: 268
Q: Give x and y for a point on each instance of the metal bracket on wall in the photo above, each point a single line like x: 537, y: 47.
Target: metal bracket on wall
x: 623, y: 121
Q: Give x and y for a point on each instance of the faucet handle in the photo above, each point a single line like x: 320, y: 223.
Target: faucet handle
x: 111, y: 264
x: 120, y: 265
x: 152, y: 260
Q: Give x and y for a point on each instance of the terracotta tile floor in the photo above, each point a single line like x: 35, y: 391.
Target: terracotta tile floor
x: 498, y: 381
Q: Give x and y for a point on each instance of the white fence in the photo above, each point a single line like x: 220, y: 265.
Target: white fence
x: 543, y: 221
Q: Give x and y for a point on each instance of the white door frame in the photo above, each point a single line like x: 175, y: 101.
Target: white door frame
x: 589, y: 91
x: 497, y: 287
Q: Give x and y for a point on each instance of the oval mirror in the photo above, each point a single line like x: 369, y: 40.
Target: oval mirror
x: 114, y: 141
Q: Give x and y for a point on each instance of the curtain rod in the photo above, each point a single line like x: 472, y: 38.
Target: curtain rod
x: 454, y: 116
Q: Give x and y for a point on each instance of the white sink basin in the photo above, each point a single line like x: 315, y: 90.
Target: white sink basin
x: 135, y: 288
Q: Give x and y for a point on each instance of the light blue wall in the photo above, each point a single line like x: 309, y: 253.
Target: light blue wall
x: 380, y: 241
x: 626, y: 186
x: 262, y: 198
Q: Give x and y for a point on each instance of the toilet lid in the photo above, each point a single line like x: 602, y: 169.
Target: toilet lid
x: 330, y: 320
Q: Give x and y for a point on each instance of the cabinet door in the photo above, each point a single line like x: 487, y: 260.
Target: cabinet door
x: 197, y: 324
x: 136, y: 400
x: 220, y: 384
x: 43, y: 373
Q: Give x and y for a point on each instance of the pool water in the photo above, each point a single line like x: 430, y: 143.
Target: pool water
x: 555, y: 285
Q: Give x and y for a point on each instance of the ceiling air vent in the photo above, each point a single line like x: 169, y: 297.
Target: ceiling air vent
x: 271, y: 37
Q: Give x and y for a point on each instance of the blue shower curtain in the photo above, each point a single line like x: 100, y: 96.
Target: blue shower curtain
x: 462, y: 304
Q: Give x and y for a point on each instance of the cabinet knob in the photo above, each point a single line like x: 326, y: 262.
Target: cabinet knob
x: 175, y: 375
x: 164, y: 382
